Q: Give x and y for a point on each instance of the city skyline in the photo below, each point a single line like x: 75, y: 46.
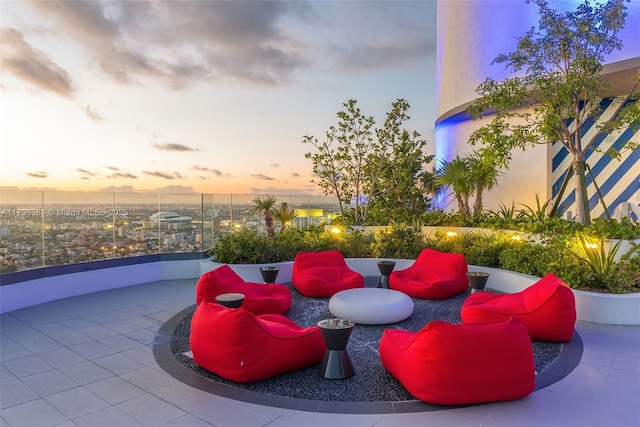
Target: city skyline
x: 199, y: 97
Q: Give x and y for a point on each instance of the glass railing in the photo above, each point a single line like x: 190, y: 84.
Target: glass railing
x: 49, y: 228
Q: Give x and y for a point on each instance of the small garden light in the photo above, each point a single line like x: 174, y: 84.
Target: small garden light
x: 335, y: 230
x: 451, y: 234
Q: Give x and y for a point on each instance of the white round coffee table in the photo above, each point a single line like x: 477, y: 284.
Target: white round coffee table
x: 371, y: 306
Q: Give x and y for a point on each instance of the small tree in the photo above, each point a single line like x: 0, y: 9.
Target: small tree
x: 340, y: 160
x: 359, y: 163
x: 455, y: 174
x: 397, y: 168
x: 264, y: 204
x: 468, y: 176
x: 558, y: 87
x: 484, y: 171
x: 284, y: 215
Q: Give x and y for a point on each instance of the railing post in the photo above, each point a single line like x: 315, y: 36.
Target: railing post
x: 44, y: 263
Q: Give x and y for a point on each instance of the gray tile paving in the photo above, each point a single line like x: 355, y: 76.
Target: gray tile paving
x: 88, y: 361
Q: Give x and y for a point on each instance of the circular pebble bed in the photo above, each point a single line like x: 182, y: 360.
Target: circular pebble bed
x: 371, y: 383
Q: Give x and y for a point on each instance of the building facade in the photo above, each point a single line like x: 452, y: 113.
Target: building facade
x: 470, y: 34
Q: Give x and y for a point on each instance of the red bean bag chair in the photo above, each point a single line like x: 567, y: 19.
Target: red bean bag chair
x: 447, y: 364
x: 547, y: 308
x: 259, y: 298
x: 322, y: 274
x: 433, y: 275
x: 241, y: 347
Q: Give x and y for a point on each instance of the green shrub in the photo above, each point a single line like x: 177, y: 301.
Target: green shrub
x: 550, y: 256
x: 244, y: 247
x: 402, y: 241
x: 356, y: 244
x: 478, y: 247
x: 557, y: 253
x: 614, y: 229
x: 626, y: 277
x: 247, y: 247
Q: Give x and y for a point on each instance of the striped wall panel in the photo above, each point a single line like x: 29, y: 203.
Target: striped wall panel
x: 618, y: 180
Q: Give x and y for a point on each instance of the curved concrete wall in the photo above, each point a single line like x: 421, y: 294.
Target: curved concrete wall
x: 471, y: 33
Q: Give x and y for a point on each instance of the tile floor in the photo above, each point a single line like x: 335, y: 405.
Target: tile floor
x: 87, y: 361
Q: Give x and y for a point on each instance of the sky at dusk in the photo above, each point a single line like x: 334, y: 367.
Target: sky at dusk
x: 199, y: 96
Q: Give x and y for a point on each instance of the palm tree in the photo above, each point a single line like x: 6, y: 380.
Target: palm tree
x: 484, y: 173
x: 264, y: 204
x: 284, y: 215
x: 456, y: 175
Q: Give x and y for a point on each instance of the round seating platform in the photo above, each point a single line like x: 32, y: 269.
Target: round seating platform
x: 371, y: 306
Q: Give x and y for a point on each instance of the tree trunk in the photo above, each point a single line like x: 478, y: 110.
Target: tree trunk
x: 477, y: 205
x: 582, y: 199
x: 271, y: 229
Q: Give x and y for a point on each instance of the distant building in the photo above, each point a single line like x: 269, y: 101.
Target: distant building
x: 169, y: 220
x: 311, y: 217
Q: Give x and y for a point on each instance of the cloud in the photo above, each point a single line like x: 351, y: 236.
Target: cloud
x: 165, y: 175
x: 383, y: 36
x: 39, y: 174
x: 295, y: 174
x: 121, y: 175
x: 274, y: 165
x: 93, y: 115
x: 182, y: 42
x: 364, y: 58
x: 113, y: 168
x: 169, y: 146
x: 279, y: 191
x: 263, y: 177
x: 32, y: 65
x: 174, y: 189
x: 85, y: 172
x: 117, y: 189
x: 214, y: 172
x: 39, y: 189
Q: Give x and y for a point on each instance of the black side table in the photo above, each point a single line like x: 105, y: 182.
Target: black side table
x: 230, y: 300
x: 385, y: 267
x: 336, y: 364
x: 269, y: 274
x: 477, y: 281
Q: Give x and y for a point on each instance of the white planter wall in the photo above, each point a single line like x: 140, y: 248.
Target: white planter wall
x: 46, y: 289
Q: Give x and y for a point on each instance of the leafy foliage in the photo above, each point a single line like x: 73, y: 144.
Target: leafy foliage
x: 284, y: 215
x: 558, y: 86
x: 401, y: 240
x: 540, y: 258
x: 265, y: 204
x: 372, y: 168
x: 556, y: 250
x: 468, y: 176
x: 478, y: 247
x: 614, y: 229
x: 601, y: 259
